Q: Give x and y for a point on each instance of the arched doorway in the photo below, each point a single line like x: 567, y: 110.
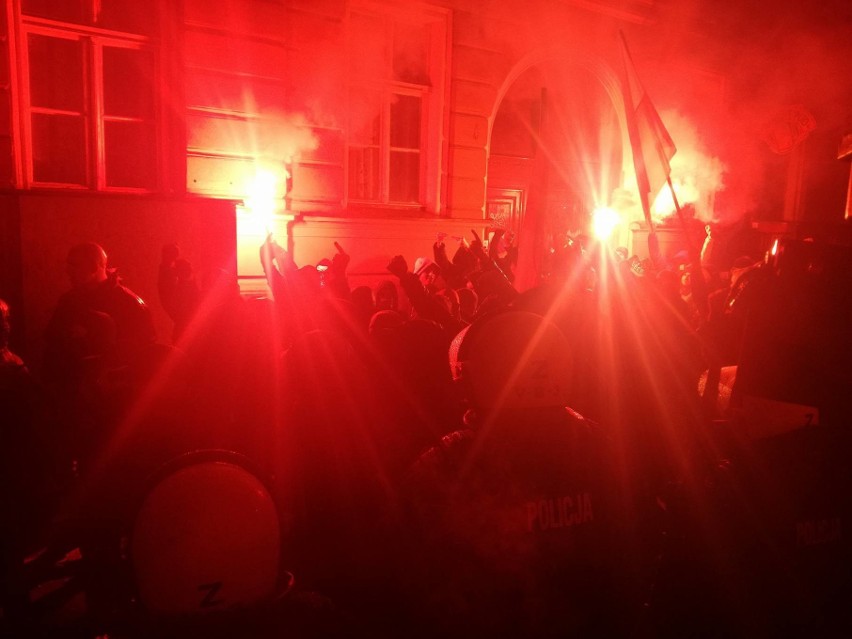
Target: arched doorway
x: 555, y: 154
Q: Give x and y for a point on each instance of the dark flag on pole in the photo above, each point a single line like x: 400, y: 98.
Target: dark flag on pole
x: 652, y: 145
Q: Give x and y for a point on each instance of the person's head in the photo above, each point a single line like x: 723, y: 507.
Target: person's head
x: 492, y: 283
x: 86, y: 264
x: 429, y: 274
x: 387, y: 297
x: 450, y: 299
x: 385, y: 320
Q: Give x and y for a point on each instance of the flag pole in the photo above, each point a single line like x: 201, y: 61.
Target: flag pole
x: 638, y: 156
x: 699, y: 284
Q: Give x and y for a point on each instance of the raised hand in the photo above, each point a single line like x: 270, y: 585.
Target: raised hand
x: 398, y: 266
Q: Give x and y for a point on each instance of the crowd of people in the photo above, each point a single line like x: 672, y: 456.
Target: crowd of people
x: 441, y: 447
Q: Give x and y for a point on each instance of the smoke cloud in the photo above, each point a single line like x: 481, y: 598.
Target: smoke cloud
x: 696, y: 174
x: 284, y: 137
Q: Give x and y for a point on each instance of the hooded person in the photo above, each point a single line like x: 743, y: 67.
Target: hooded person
x: 387, y: 297
x: 97, y: 296
x: 454, y: 272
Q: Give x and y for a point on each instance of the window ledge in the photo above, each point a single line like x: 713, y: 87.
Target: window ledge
x: 358, y: 209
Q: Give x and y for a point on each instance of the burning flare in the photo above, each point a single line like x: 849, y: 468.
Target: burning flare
x: 264, y: 193
x: 604, y: 222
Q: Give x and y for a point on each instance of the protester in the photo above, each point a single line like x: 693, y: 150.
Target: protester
x: 179, y: 292
x: 420, y: 289
x: 387, y: 296
x: 25, y: 469
x: 495, y: 494
x: 96, y: 306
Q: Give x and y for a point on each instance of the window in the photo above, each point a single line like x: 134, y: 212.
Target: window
x: 397, y: 64
x: 129, y: 16
x: 88, y: 96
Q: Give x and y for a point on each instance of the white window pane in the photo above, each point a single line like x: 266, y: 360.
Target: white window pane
x: 56, y: 73
x: 59, y: 150
x: 129, y: 154
x: 128, y: 82
x: 404, y: 177
x: 405, y: 122
x: 364, y: 177
x: 365, y: 118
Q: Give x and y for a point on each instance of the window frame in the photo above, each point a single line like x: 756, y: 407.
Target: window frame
x: 93, y: 41
x: 385, y: 148
x: 431, y: 151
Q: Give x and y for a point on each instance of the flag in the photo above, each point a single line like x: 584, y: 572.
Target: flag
x: 652, y: 145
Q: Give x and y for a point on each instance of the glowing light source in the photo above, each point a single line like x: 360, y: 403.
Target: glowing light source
x: 604, y: 222
x: 260, y: 215
x: 262, y: 197
x: 774, y: 250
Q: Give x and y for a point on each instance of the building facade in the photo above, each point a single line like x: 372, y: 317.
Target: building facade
x: 378, y: 124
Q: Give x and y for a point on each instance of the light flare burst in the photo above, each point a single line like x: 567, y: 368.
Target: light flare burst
x: 604, y: 222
